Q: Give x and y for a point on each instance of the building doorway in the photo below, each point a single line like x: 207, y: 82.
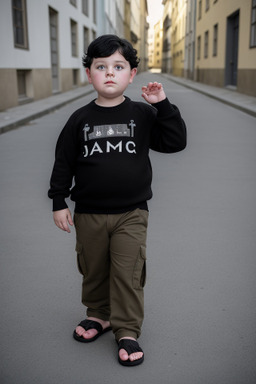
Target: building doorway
x: 53, y: 19
x: 232, y: 49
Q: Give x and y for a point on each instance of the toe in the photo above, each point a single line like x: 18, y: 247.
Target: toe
x: 80, y: 331
x: 132, y: 357
x: 123, y: 355
x: 136, y: 356
x: 89, y: 334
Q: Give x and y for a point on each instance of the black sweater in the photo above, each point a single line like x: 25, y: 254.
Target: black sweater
x: 106, y: 151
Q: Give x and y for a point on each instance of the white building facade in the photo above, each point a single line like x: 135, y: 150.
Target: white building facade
x: 44, y: 41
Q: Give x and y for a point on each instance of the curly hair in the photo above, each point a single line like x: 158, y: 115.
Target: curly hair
x: 106, y: 45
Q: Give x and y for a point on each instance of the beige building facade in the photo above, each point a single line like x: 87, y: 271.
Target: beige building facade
x: 213, y: 42
x: 167, y: 35
x: 179, y: 14
x: 226, y: 44
x: 143, y: 39
x: 158, y: 45
x: 190, y: 40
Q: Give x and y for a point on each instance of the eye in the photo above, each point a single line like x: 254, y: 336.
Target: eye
x: 118, y: 67
x: 101, y: 67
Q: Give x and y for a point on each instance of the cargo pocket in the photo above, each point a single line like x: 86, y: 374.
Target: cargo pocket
x: 139, y: 273
x: 80, y: 259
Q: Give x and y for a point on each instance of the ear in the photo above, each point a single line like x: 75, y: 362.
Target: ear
x: 133, y: 73
x: 88, y: 73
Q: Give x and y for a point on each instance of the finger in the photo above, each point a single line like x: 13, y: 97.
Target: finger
x: 145, y: 96
x: 157, y: 86
x: 63, y: 226
x: 70, y: 221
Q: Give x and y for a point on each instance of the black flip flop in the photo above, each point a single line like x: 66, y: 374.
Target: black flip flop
x: 90, y: 324
x: 131, y: 346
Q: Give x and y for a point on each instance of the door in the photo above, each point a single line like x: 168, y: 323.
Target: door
x: 232, y: 49
x: 53, y: 17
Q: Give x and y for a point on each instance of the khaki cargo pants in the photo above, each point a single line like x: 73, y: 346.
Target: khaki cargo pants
x: 111, y: 255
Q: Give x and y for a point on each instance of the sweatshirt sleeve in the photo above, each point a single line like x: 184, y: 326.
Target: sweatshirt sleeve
x: 169, y: 131
x: 63, y: 169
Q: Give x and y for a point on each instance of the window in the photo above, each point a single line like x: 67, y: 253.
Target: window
x: 53, y: 20
x: 215, y: 40
x: 85, y: 7
x: 206, y: 43
x: 94, y: 11
x: 86, y: 39
x: 73, y: 26
x: 73, y: 2
x: 199, y: 48
x: 24, y: 83
x: 75, y: 77
x: 207, y: 5
x: 199, y: 9
x: 253, y: 25
x: 19, y: 23
x: 21, y: 80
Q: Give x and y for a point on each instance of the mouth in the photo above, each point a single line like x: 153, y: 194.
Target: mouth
x: 109, y: 82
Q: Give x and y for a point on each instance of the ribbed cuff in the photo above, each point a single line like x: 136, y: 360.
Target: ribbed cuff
x: 59, y: 203
x: 162, y: 105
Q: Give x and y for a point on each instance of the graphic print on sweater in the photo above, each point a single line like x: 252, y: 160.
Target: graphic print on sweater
x: 107, y: 131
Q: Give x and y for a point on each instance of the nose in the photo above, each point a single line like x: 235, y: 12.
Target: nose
x: 109, y: 71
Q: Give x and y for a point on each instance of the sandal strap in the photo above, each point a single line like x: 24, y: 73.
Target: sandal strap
x: 131, y: 346
x: 91, y: 324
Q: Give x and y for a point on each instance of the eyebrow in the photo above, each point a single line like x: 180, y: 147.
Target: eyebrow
x: 101, y: 59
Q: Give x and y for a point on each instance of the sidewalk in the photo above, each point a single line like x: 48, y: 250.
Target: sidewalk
x: 14, y: 117
x: 230, y: 97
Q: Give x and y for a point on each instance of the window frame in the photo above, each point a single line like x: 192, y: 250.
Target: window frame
x: 199, y: 9
x: 94, y: 8
x: 73, y: 34
x: 73, y: 2
x: 215, y: 40
x: 85, y: 7
x: 23, y: 28
x: 199, y: 47
x: 206, y: 44
x: 253, y: 25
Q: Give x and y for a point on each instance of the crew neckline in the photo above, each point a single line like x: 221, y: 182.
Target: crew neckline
x: 115, y: 107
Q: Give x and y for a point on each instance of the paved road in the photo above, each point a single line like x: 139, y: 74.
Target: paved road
x: 200, y: 325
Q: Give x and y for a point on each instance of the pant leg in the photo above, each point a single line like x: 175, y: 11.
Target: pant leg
x: 128, y: 273
x: 92, y: 246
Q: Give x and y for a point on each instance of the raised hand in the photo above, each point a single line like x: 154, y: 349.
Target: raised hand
x: 153, y: 93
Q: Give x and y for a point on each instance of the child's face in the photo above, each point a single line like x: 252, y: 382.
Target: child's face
x: 111, y: 75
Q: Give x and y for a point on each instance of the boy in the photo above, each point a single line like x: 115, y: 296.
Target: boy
x: 105, y: 146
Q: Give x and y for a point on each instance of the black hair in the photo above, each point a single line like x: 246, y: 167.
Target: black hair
x: 106, y: 45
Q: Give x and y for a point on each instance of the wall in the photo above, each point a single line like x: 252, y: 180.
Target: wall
x: 212, y: 70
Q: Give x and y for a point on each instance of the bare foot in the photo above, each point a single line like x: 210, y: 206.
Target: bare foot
x: 124, y: 355
x: 80, y: 331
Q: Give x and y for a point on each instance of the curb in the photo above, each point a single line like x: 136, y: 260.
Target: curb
x: 22, y: 121
x: 212, y: 96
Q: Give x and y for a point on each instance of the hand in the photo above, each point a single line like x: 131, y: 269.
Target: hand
x: 153, y: 93
x: 62, y: 218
